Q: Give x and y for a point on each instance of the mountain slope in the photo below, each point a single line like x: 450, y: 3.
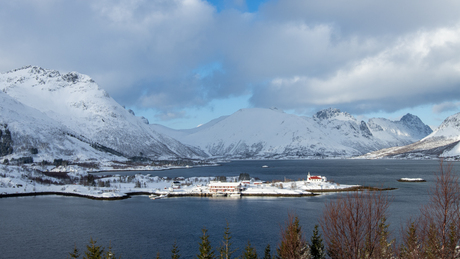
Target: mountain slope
x: 77, y: 103
x: 443, y: 142
x: 25, y: 129
x: 270, y: 133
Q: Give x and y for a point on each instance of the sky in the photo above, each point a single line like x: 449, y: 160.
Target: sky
x: 182, y: 63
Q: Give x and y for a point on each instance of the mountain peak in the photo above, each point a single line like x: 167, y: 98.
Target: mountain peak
x: 42, y: 75
x: 410, y: 118
x: 414, y: 122
x: 330, y: 113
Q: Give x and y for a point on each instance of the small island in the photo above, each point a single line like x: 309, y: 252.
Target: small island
x: 412, y: 180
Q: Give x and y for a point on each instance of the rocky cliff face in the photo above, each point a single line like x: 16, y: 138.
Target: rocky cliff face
x: 6, y: 143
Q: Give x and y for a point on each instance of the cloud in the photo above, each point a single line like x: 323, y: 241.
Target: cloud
x: 167, y: 116
x: 446, y: 106
x: 171, y: 55
x: 420, y: 68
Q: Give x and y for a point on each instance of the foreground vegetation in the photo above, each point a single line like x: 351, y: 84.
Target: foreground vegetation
x: 353, y: 226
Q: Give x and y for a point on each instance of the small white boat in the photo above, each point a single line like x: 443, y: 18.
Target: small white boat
x: 234, y: 195
x: 156, y: 197
x: 219, y: 194
x: 265, y: 166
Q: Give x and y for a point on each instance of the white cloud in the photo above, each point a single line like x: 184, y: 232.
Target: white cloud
x: 408, y: 73
x: 446, y: 106
x: 355, y: 55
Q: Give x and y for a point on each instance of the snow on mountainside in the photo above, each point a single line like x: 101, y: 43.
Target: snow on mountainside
x: 79, y: 107
x: 403, y: 132
x: 23, y: 129
x: 270, y: 133
x: 443, y: 142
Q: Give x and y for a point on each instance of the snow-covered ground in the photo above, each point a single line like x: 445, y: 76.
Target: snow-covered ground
x: 412, y: 180
x: 75, y: 180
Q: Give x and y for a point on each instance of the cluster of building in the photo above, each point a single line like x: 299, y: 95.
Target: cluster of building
x: 219, y: 187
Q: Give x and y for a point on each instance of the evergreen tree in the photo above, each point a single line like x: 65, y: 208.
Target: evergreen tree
x: 175, y: 251
x: 410, y: 247
x: 205, y: 246
x: 93, y: 251
x: 385, y: 248
x: 110, y: 254
x: 75, y: 253
x: 250, y: 252
x: 226, y: 248
x: 316, y: 247
x: 267, y: 254
x: 293, y: 244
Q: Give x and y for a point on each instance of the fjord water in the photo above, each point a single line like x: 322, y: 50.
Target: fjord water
x: 50, y: 226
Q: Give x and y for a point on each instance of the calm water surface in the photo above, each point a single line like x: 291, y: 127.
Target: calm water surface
x: 50, y: 226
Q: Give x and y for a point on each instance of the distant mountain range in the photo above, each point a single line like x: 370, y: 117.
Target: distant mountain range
x: 443, y: 142
x: 271, y: 133
x: 46, y: 115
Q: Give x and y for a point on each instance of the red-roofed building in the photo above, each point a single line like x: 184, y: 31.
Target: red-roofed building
x: 315, y: 178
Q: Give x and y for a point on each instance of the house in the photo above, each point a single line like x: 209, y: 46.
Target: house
x: 176, y: 185
x: 315, y: 178
x: 224, y: 187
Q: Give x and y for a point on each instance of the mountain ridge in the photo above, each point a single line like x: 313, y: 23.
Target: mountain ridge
x: 271, y: 133
x: 75, y: 101
x: 68, y: 114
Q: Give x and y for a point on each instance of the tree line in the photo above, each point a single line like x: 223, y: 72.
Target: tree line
x: 353, y: 226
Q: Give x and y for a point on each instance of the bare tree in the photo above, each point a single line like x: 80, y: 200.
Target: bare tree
x: 440, y: 218
x: 354, y: 226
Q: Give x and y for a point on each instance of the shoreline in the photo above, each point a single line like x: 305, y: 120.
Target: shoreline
x: 206, y: 195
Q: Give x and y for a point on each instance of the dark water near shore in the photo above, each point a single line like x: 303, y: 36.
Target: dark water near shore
x: 50, y: 226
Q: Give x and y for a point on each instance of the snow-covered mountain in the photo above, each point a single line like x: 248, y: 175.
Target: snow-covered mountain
x: 271, y: 133
x: 443, y: 142
x: 69, y: 114
x: 48, y: 114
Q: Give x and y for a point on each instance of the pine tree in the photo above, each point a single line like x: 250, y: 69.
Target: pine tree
x: 109, y: 254
x: 75, y: 253
x: 385, y: 246
x: 410, y: 247
x: 205, y: 246
x: 267, y: 254
x: 93, y: 251
x: 316, y: 247
x: 293, y: 244
x: 175, y: 251
x: 226, y: 248
x: 250, y: 252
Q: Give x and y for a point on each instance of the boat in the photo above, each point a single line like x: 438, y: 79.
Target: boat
x: 219, y: 194
x: 265, y: 166
x: 156, y: 197
x: 234, y: 195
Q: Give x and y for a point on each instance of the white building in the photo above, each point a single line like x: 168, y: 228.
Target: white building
x: 224, y: 187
